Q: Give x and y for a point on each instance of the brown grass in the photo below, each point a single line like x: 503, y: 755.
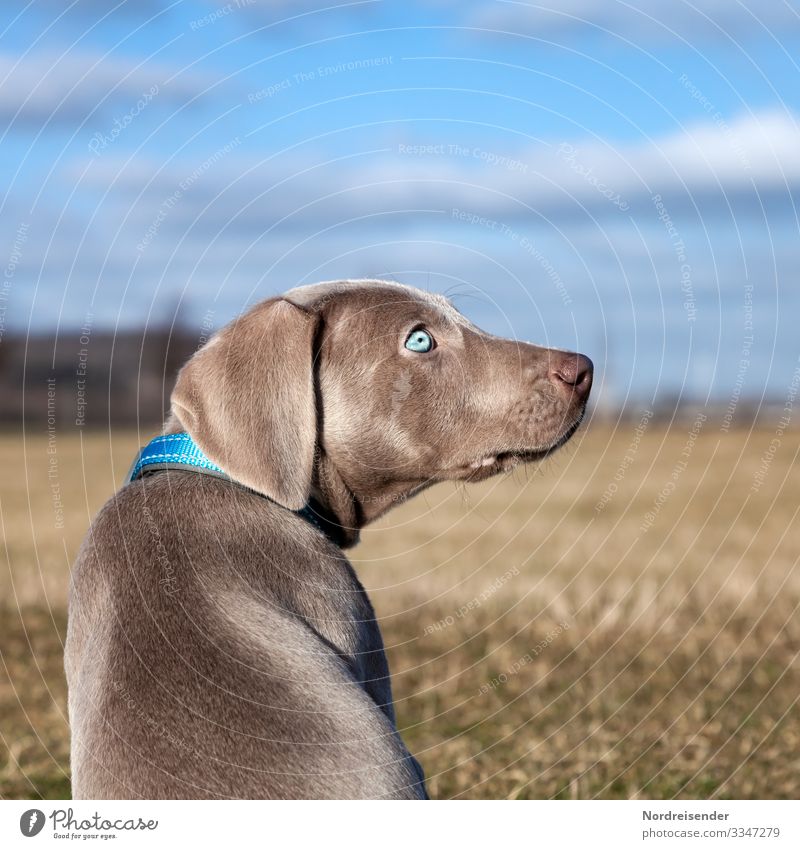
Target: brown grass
x: 540, y: 647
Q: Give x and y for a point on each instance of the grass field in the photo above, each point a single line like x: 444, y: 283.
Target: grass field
x: 622, y: 622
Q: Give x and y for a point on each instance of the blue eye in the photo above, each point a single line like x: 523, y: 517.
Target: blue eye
x: 419, y: 341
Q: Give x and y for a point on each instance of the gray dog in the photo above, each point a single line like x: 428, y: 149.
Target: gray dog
x: 220, y: 644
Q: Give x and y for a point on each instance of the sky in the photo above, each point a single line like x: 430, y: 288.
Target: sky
x: 619, y: 178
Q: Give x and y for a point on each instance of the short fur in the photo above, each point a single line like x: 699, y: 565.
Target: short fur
x: 220, y: 646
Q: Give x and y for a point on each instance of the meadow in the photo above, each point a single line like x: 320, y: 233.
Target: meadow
x: 621, y: 622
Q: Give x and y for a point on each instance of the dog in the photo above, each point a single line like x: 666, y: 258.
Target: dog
x: 220, y: 644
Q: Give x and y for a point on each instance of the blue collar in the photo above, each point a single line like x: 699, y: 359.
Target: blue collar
x: 179, y: 451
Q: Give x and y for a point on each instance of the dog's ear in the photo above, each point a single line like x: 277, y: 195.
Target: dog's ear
x: 247, y: 399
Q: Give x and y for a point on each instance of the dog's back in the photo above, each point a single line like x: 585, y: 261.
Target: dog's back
x: 220, y: 646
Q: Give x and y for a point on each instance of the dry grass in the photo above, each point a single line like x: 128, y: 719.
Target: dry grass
x: 540, y: 647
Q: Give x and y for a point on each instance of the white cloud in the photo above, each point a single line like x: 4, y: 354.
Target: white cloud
x: 700, y: 19
x: 40, y: 87
x: 755, y: 153
x: 702, y: 165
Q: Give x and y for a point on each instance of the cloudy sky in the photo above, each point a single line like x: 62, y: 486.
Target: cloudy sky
x: 617, y: 177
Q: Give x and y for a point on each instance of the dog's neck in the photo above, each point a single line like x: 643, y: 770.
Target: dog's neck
x: 356, y: 506
x: 330, y: 491
x: 330, y: 505
x: 342, y: 510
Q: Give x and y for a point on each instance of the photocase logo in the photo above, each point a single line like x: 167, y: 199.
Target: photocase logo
x: 31, y: 822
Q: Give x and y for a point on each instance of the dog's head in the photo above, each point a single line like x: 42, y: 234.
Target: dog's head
x: 373, y: 389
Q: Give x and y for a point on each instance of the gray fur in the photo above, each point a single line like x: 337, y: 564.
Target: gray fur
x: 219, y: 646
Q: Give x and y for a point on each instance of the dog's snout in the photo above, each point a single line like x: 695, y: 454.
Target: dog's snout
x: 572, y: 372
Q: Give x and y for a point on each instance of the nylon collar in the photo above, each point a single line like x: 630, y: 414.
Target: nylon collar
x: 180, y: 452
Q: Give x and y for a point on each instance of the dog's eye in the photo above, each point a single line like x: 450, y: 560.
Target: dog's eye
x: 419, y: 341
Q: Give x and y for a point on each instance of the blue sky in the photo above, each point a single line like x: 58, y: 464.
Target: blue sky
x: 605, y: 176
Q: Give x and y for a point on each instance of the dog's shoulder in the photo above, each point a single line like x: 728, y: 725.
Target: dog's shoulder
x: 177, y: 527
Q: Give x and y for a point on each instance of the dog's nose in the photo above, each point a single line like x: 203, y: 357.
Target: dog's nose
x: 572, y: 372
